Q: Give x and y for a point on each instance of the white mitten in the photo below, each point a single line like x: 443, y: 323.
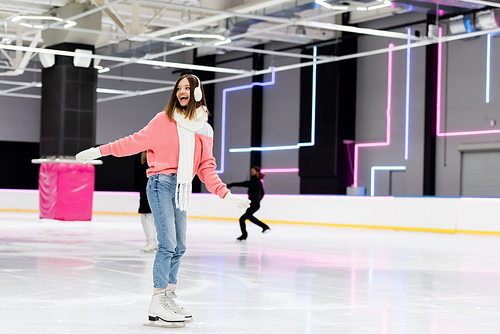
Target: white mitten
x: 240, y: 202
x: 88, y: 155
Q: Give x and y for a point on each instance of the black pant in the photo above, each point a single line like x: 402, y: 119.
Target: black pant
x: 249, y: 215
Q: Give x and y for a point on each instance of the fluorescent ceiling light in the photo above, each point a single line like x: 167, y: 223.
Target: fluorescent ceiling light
x: 383, y: 5
x: 104, y: 70
x: 339, y: 8
x: 327, y: 5
x: 70, y: 24
x: 174, y: 38
x: 34, y: 17
x: 219, y: 37
x: 324, y: 4
x: 226, y: 41
x: 361, y: 8
x: 111, y: 91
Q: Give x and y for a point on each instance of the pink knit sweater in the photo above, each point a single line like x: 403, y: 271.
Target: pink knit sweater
x: 161, y: 140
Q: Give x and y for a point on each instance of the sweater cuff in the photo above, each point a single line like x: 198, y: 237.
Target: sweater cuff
x: 223, y: 193
x: 105, y: 150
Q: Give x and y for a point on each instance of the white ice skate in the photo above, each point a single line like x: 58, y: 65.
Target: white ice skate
x: 148, y: 225
x: 161, y: 315
x: 188, y: 316
x: 149, y: 248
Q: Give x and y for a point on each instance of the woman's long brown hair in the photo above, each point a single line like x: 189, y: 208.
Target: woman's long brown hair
x: 259, y: 174
x: 190, y: 109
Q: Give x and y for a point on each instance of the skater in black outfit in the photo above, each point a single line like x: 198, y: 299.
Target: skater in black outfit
x: 255, y: 194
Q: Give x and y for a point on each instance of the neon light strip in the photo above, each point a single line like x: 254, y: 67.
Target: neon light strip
x: 407, y: 102
x: 488, y: 68
x: 438, y: 97
x: 224, y: 104
x: 376, y: 168
x: 388, y: 124
x: 279, y: 170
x: 438, y: 104
x: 313, y: 121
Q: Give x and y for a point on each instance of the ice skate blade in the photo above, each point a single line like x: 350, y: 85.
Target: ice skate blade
x: 190, y: 319
x: 163, y: 324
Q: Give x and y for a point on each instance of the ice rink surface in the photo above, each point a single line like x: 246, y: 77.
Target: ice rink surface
x: 89, y: 277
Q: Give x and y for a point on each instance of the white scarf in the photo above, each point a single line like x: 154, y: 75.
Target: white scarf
x: 186, y: 129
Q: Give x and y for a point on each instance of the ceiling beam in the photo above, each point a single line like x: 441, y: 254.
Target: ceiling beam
x: 240, y: 9
x: 289, y: 67
x: 73, y: 18
x: 421, y: 43
x: 111, y: 12
x: 141, y: 61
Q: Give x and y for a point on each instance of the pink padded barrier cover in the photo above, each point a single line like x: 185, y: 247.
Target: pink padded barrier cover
x: 66, y: 191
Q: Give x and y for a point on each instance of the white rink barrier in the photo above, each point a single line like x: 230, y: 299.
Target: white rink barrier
x: 426, y: 214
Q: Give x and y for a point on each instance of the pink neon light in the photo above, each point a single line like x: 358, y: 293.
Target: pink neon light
x: 128, y: 193
x: 279, y: 170
x: 438, y: 98
x: 438, y: 102
x: 388, y: 125
x: 441, y: 12
x: 18, y: 190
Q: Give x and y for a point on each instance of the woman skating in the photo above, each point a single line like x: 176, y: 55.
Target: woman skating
x: 179, y: 144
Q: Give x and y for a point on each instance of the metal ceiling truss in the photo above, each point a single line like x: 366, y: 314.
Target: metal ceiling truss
x: 132, y: 29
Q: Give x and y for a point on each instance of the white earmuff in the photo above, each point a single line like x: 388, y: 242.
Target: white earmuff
x: 197, y: 91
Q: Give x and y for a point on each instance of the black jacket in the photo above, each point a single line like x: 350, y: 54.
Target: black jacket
x: 255, y: 189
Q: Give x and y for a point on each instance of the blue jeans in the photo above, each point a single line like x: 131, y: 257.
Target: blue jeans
x: 171, y: 226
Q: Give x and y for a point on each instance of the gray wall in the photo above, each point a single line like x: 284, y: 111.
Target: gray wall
x: 464, y: 107
x: 238, y: 124
x: 281, y: 124
x: 371, y: 108
x: 20, y: 117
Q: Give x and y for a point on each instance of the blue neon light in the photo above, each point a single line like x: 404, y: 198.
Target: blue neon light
x: 313, y: 121
x: 376, y: 168
x: 407, y: 102
x: 224, y: 104
x: 488, y: 68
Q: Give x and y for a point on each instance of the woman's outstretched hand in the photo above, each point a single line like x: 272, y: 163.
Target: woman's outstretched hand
x: 240, y: 202
x: 88, y: 155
